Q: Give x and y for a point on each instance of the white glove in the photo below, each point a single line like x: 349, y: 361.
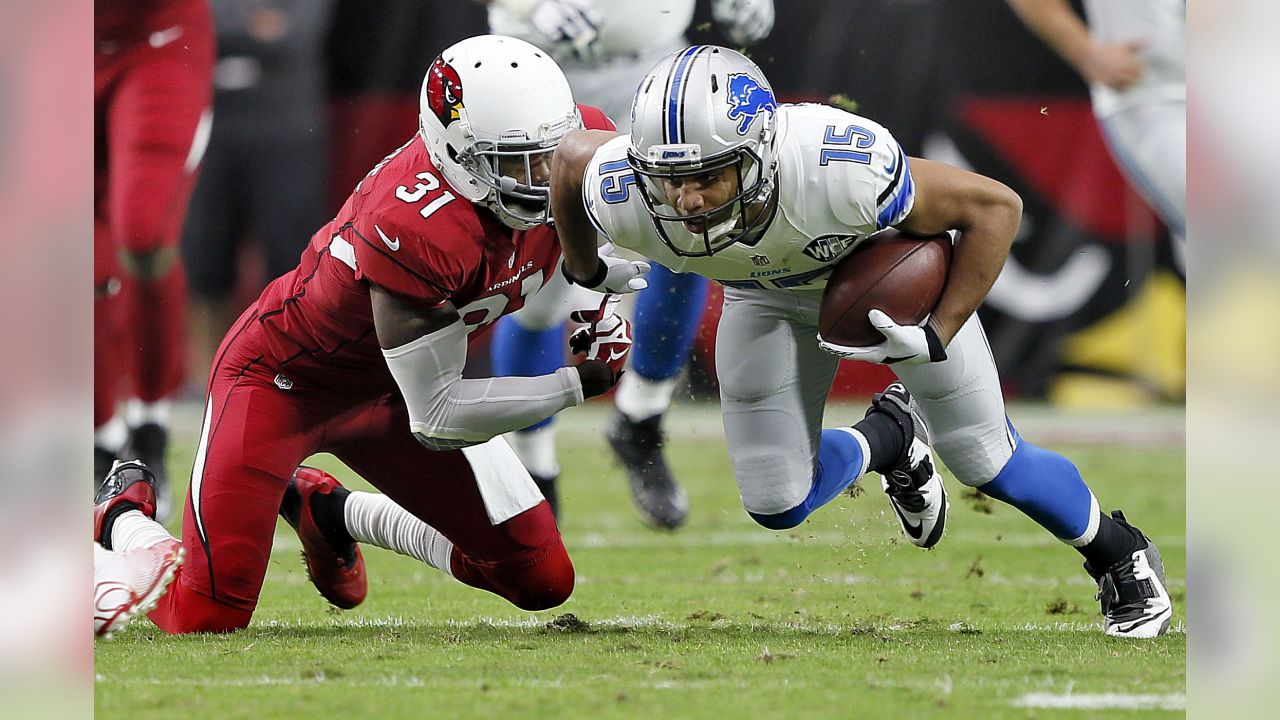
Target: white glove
x: 613, y: 274
x: 569, y: 25
x: 743, y: 21
x: 907, y: 344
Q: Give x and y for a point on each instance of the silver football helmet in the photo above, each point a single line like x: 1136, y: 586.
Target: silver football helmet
x: 701, y: 110
x: 490, y: 105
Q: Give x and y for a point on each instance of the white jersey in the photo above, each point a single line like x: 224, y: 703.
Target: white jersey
x: 629, y: 28
x: 841, y: 177
x: 1162, y: 25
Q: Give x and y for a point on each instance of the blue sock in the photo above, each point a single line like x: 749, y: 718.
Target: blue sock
x: 1045, y: 486
x: 666, y: 321
x: 517, y: 352
x: 840, y: 463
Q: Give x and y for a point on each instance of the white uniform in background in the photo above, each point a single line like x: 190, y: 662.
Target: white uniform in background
x: 840, y: 178
x: 1146, y: 124
x: 632, y: 36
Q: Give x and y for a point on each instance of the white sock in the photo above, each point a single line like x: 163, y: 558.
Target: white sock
x: 139, y: 413
x: 112, y: 435
x: 536, y: 450
x: 374, y: 519
x: 132, y: 530
x: 640, y: 399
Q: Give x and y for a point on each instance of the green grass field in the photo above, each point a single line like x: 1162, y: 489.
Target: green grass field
x: 835, y: 619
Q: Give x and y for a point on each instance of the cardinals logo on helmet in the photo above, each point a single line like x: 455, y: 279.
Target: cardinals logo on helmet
x: 444, y: 91
x: 748, y: 98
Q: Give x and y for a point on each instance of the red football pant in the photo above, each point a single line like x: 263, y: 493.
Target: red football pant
x: 148, y: 138
x: 255, y: 434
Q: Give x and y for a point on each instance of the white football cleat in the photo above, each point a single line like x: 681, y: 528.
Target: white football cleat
x: 1135, y: 603
x: 129, y: 583
x: 914, y: 486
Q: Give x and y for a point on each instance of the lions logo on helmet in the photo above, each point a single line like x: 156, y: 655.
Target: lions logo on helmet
x: 748, y: 98
x: 444, y: 89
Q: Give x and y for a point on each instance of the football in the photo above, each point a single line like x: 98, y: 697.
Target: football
x: 902, y: 275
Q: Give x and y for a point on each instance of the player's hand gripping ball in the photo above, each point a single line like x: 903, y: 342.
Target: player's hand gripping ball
x: 877, y: 303
x: 606, y: 337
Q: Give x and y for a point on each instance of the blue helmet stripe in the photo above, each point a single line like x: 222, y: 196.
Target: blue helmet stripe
x: 672, y: 125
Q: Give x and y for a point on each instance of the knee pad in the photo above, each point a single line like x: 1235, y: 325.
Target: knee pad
x: 769, y: 492
x: 541, y: 576
x: 977, y: 453
x: 183, y: 610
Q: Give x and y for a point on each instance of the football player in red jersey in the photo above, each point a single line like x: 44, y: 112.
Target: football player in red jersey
x: 152, y: 85
x: 359, y: 352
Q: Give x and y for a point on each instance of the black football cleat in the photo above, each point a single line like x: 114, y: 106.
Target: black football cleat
x: 638, y: 445
x: 914, y: 486
x: 1135, y: 603
x: 148, y: 443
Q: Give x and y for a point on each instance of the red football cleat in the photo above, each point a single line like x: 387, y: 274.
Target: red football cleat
x: 336, y: 570
x: 130, y: 482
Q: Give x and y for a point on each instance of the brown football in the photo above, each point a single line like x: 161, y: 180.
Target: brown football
x: 902, y: 275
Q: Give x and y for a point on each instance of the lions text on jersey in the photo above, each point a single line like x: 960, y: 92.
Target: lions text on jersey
x: 841, y: 177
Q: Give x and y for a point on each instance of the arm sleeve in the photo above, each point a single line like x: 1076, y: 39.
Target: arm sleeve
x: 446, y: 411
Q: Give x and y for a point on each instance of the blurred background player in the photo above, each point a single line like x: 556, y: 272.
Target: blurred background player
x: 606, y: 47
x: 1133, y: 54
x: 263, y: 177
x: 153, y: 60
x: 359, y: 351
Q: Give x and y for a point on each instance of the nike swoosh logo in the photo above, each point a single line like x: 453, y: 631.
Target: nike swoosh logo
x: 893, y: 166
x: 914, y: 531
x: 615, y: 355
x: 393, y: 244
x: 160, y: 38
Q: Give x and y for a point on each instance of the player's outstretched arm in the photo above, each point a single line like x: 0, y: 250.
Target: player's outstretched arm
x: 584, y: 264
x: 426, y: 348
x: 987, y: 214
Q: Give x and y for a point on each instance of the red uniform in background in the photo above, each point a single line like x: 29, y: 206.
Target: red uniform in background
x: 301, y: 372
x: 153, y: 69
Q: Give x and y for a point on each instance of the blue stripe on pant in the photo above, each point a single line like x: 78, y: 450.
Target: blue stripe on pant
x: 1046, y: 487
x: 840, y: 462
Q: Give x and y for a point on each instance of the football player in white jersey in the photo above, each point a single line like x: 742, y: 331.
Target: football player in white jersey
x: 1133, y: 54
x: 717, y: 178
x: 605, y: 48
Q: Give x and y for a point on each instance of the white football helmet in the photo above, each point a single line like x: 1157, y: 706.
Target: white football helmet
x: 491, y: 105
x: 702, y: 109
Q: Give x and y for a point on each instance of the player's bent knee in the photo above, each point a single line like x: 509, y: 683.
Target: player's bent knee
x: 974, y: 456
x: 546, y: 583
x: 773, y: 488
x: 783, y: 520
x: 182, y: 611
x: 541, y: 576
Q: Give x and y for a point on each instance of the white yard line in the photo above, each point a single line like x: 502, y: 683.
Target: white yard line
x: 1102, y: 701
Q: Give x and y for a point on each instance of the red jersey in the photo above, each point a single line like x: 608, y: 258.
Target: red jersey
x: 126, y: 20
x: 407, y: 231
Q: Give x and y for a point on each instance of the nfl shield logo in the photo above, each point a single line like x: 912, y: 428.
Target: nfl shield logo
x: 760, y: 260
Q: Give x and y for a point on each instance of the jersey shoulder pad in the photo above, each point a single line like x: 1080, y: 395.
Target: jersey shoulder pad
x: 859, y: 166
x: 428, y: 260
